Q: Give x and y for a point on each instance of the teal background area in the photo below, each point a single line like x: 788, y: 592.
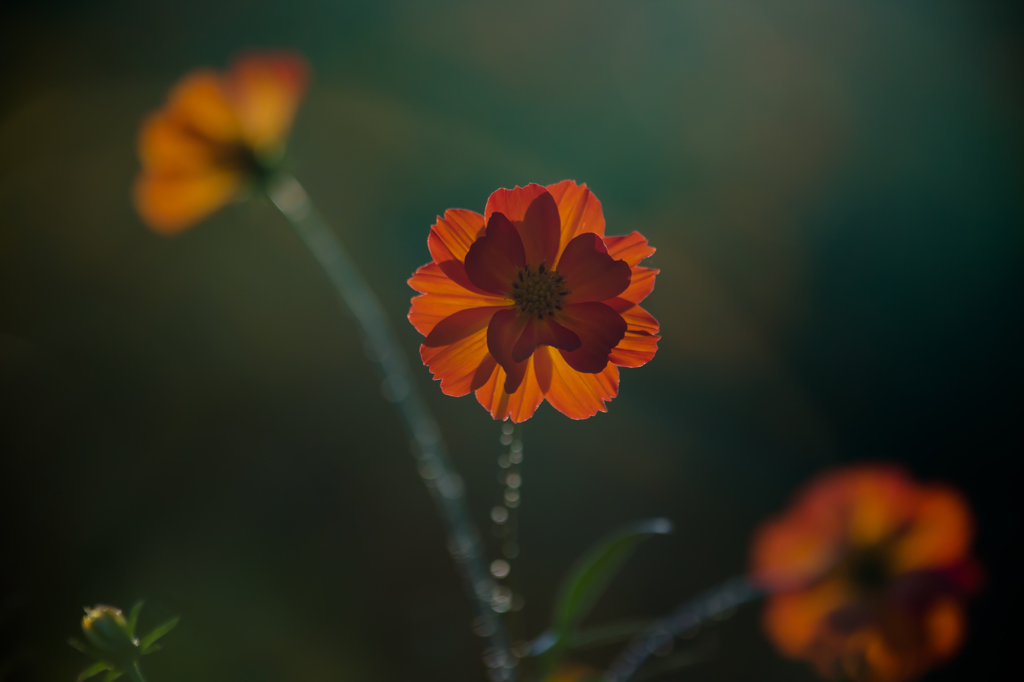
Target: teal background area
x: 835, y: 192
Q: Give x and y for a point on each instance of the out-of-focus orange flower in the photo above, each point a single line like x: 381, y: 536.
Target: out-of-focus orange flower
x: 531, y: 301
x: 217, y: 133
x: 868, y: 572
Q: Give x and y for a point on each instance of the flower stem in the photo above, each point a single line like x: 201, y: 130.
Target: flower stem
x: 718, y: 602
x: 435, y: 468
x: 134, y: 673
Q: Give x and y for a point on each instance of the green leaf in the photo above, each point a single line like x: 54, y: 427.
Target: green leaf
x: 133, y: 617
x: 153, y: 649
x: 159, y: 632
x: 94, y: 669
x: 112, y: 675
x: 588, y: 579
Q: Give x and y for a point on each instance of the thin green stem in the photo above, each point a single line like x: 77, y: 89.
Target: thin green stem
x: 717, y: 602
x: 435, y: 467
x: 134, y: 673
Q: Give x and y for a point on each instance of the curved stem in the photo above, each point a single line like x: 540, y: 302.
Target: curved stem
x: 429, y: 449
x: 713, y: 603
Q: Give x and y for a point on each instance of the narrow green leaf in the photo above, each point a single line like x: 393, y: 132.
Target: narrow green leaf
x: 133, y: 617
x: 590, y: 576
x: 159, y: 632
x: 153, y: 649
x: 94, y: 669
x: 112, y: 675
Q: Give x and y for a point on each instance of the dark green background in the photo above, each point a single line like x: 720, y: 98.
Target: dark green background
x: 835, y: 190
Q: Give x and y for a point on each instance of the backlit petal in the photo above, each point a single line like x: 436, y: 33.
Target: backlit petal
x: 457, y: 365
x: 456, y: 232
x: 459, y: 325
x: 590, y: 274
x: 452, y: 266
x: 200, y: 103
x: 640, y: 343
x: 631, y: 248
x: 442, y: 298
x: 641, y: 284
x: 543, y: 332
x: 503, y: 332
x: 494, y: 260
x: 576, y: 395
x: 540, y: 231
x: 599, y: 328
x: 512, y: 203
x: 579, y: 209
x: 794, y: 621
x: 938, y: 536
x: 266, y: 90
x: 165, y: 145
x: 944, y: 626
x: 169, y: 204
x: 521, y: 404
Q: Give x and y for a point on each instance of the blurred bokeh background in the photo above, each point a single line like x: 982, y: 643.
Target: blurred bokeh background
x: 835, y: 191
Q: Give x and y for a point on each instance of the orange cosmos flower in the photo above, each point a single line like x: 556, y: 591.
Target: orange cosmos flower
x: 217, y: 133
x: 868, y: 571
x: 531, y: 301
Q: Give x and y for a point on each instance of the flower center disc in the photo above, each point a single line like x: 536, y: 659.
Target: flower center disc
x: 537, y: 291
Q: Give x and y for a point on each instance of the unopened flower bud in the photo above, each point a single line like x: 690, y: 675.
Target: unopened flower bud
x: 106, y: 629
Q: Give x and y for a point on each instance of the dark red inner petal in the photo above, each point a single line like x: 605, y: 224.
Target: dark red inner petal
x: 590, y: 273
x: 493, y: 259
x: 599, y: 328
x: 540, y: 231
x: 543, y: 332
x: 458, y: 326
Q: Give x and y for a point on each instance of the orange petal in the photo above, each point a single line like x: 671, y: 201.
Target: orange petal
x: 200, y: 102
x: 795, y: 620
x: 166, y: 145
x: 792, y: 552
x: 590, y: 273
x: 523, y: 402
x: 881, y: 501
x: 456, y: 365
x: 641, y: 284
x: 639, y: 320
x: 495, y: 259
x: 266, y: 90
x: 944, y: 627
x: 631, y: 248
x: 635, y: 350
x: 579, y: 209
x: 599, y: 328
x: 449, y: 242
x: 169, y: 204
x: 541, y: 332
x: 939, y: 535
x: 512, y: 203
x: 459, y: 325
x: 456, y: 232
x: 442, y: 297
x: 640, y: 343
x: 576, y: 395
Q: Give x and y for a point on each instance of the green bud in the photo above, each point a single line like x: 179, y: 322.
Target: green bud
x: 106, y: 629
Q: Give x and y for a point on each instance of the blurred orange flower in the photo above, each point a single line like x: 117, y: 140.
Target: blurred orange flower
x: 216, y: 133
x: 867, y: 573
x: 531, y: 301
